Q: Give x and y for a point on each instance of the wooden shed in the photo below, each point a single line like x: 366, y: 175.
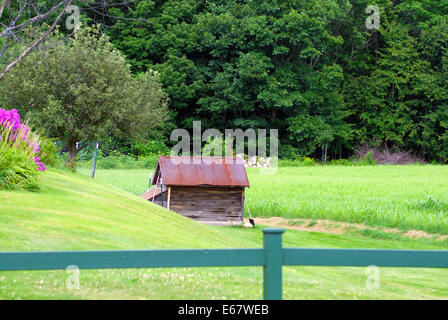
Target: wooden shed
x: 207, y: 189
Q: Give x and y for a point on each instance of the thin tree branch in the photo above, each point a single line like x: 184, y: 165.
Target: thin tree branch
x: 6, y: 44
x: 2, y: 7
x: 113, y: 17
x: 36, y: 43
x: 34, y: 19
x: 11, y: 34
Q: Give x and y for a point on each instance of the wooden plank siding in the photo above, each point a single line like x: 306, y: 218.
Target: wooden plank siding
x: 158, y: 199
x: 208, y: 203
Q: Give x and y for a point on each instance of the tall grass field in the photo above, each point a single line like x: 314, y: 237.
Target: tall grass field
x: 405, y: 197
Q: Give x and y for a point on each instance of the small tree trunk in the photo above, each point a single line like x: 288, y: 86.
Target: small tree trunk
x: 72, y: 153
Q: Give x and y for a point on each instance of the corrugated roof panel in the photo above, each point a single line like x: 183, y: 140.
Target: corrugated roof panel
x: 148, y: 195
x: 196, y: 171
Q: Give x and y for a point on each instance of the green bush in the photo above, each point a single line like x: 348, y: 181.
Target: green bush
x: 148, y: 162
x: 47, y: 153
x: 341, y: 162
x: 140, y: 149
x: 120, y: 161
x: 367, y: 160
x: 116, y: 162
x: 304, y: 162
x: 309, y: 162
x: 290, y: 163
x: 18, y: 170
x: 287, y: 151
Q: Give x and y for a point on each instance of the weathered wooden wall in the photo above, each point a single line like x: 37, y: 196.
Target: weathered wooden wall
x: 158, y: 199
x: 208, y: 203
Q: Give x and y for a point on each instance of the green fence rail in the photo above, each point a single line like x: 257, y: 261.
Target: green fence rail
x: 272, y: 257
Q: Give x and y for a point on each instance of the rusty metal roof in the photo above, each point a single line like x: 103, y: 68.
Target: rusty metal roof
x: 198, y: 171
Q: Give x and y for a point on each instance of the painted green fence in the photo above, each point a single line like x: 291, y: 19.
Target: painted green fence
x: 272, y: 257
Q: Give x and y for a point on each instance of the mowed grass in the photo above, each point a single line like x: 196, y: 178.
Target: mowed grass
x: 135, y: 181
x: 404, y: 197
x: 75, y: 213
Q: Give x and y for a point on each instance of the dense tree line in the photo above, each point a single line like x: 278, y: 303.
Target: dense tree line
x: 311, y: 69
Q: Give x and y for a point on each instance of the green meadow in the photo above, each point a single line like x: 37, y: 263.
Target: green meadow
x: 403, y: 197
x: 74, y: 212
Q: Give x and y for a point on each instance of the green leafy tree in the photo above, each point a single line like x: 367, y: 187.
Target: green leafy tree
x: 80, y: 90
x: 311, y: 69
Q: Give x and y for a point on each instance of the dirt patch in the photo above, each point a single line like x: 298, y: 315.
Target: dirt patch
x: 333, y: 227
x: 422, y: 234
x: 324, y: 226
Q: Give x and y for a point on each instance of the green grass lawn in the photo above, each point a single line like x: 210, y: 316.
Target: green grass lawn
x: 405, y: 197
x: 73, y: 212
x: 135, y: 181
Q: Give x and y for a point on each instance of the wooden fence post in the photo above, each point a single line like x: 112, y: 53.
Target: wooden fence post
x: 273, y: 262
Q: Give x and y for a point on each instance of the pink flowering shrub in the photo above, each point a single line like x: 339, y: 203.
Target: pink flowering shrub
x: 19, y: 149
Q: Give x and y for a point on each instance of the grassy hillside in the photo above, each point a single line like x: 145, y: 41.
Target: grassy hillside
x: 75, y: 213
x: 135, y: 181
x: 72, y: 212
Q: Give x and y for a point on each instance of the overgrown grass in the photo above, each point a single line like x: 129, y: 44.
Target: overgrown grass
x: 405, y: 197
x: 76, y: 213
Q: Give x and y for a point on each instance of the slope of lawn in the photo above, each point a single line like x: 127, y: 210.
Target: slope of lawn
x: 75, y: 213
x: 135, y: 181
